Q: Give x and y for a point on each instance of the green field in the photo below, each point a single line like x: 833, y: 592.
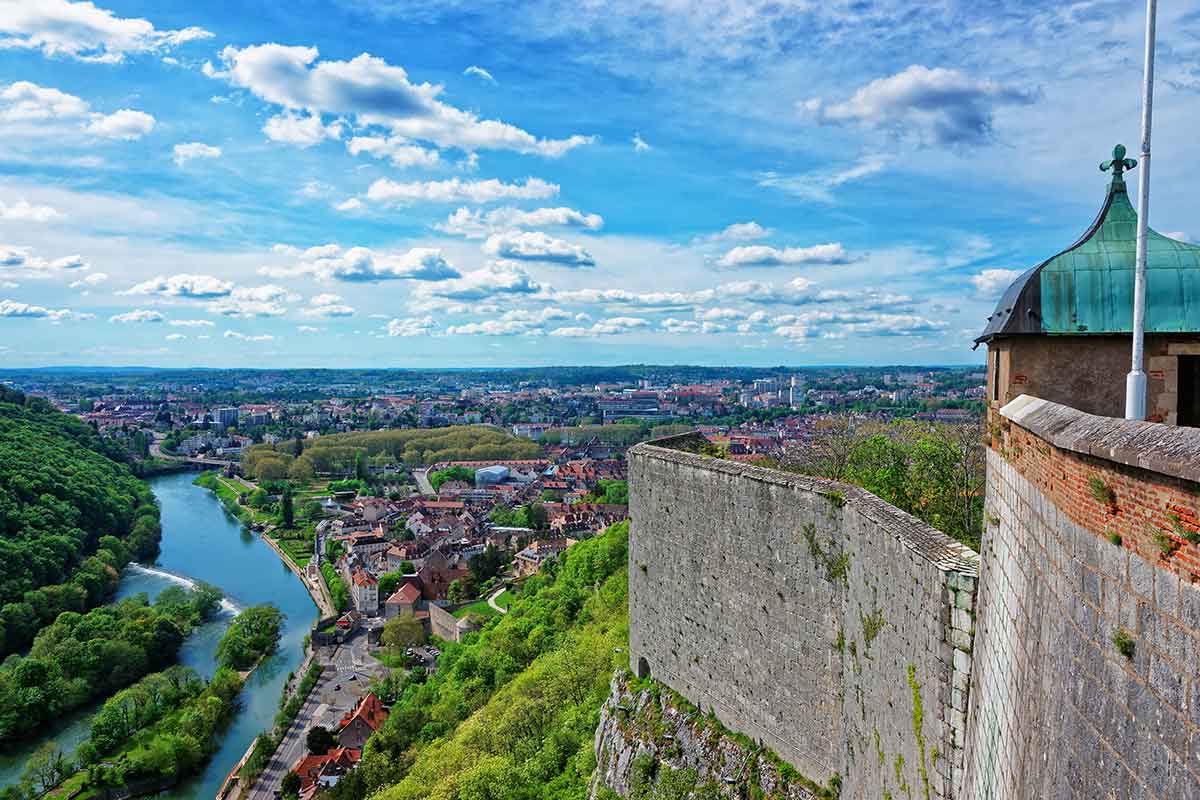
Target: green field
x: 479, y: 607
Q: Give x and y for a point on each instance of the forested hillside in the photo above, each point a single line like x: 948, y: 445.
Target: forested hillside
x: 512, y: 712
x: 70, y: 517
x: 341, y: 453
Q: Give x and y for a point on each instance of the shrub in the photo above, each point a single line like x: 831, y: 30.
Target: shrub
x: 1124, y: 643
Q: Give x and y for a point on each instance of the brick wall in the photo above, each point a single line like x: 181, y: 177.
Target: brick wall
x: 1057, y: 710
x: 809, y: 615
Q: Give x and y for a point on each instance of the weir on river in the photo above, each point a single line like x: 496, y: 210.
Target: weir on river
x: 202, y: 542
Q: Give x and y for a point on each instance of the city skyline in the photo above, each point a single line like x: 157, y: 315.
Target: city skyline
x: 388, y: 184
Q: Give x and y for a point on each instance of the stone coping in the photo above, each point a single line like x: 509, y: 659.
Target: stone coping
x: 1166, y: 449
x: 920, y: 537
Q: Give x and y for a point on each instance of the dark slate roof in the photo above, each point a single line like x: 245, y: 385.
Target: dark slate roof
x: 1088, y: 288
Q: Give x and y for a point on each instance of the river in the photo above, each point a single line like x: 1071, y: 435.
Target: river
x: 201, y: 541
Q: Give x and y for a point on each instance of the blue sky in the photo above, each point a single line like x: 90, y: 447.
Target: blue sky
x: 394, y: 183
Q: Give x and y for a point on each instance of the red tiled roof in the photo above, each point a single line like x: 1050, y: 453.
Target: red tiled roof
x: 370, y: 710
x: 406, y: 594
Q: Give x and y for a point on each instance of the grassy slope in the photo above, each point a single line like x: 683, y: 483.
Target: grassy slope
x: 524, y: 730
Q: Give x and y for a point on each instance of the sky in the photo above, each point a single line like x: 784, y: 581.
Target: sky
x: 389, y: 183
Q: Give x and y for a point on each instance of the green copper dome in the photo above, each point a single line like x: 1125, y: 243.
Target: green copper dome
x: 1088, y: 288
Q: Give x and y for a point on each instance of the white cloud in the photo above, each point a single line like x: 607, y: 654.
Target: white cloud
x: 939, y: 106
x: 302, y: 130
x: 455, y: 190
x: 360, y: 264
x: 479, y: 72
x: 13, y: 308
x: 411, y: 326
x: 94, y: 279
x: 623, y: 297
x: 84, y: 31
x: 139, y: 315
x: 605, y: 327
x: 21, y: 260
x: 175, y: 337
x: 190, y: 150
x: 991, y: 282
x: 263, y: 337
x: 351, y: 205
x: 26, y: 103
x: 23, y: 211
x: 497, y: 278
x: 328, y: 305
x: 537, y: 246
x: 400, y: 151
x: 475, y: 224
x: 257, y: 301
x: 764, y: 256
x: 376, y: 93
x: 819, y: 186
x: 307, y: 329
x: 182, y: 285
x: 125, y: 124
x: 191, y: 323
x: 737, y: 232
x: 639, y: 144
x: 516, y: 321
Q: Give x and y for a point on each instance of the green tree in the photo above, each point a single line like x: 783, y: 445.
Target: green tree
x: 286, y: 511
x: 290, y: 786
x: 48, y: 766
x: 402, y: 631
x: 319, y: 740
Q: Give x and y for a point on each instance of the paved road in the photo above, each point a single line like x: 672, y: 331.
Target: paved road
x: 422, y: 478
x: 492, y: 599
x: 346, y: 678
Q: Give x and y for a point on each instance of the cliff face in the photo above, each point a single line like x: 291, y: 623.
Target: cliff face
x: 653, y: 745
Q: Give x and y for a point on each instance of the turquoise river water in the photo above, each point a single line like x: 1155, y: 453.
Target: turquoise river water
x: 201, y: 541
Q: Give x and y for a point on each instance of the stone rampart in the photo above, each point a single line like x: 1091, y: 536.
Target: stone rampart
x: 1085, y: 680
x: 809, y: 615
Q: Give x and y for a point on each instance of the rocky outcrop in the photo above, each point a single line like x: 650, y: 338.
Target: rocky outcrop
x: 653, y: 744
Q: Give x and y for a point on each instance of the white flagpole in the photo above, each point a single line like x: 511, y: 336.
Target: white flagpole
x: 1135, y: 381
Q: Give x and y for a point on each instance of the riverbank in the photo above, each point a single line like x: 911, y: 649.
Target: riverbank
x: 316, y: 588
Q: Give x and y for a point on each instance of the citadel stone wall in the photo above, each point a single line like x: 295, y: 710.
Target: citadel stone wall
x: 809, y: 615
x: 1091, y: 531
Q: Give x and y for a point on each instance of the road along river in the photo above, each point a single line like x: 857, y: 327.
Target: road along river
x: 201, y: 541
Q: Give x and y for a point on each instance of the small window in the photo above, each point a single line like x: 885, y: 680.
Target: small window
x: 643, y: 668
x: 995, y: 375
x: 1188, y: 408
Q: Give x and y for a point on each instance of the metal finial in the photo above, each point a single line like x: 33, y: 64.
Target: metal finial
x: 1118, y: 163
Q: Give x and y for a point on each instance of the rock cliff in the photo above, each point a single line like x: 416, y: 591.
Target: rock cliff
x: 652, y: 744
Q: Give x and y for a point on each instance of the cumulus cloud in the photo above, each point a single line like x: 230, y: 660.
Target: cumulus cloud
x: 605, y: 327
x: 475, y: 224
x: 516, y: 321
x: 175, y: 337
x: 26, y: 102
x: 375, y: 93
x: 839, y: 324
x: 23, y: 211
x: 495, y: 279
x: 764, y: 256
x: 139, y: 315
x: 22, y: 260
x: 400, y: 151
x: 537, y: 246
x: 262, y: 337
x: 83, y: 31
x: 13, y: 308
x: 192, y: 150
x: 737, y: 232
x: 331, y: 262
x: 479, y: 72
x: 455, y: 190
x: 991, y: 282
x: 95, y: 279
x: 182, y: 285
x: 328, y: 305
x: 941, y: 106
x: 191, y: 323
x: 125, y: 124
x: 302, y: 130
x: 639, y: 144
x: 623, y: 297
x: 253, y: 301
x: 411, y: 326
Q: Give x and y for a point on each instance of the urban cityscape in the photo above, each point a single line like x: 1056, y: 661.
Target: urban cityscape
x: 727, y: 400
